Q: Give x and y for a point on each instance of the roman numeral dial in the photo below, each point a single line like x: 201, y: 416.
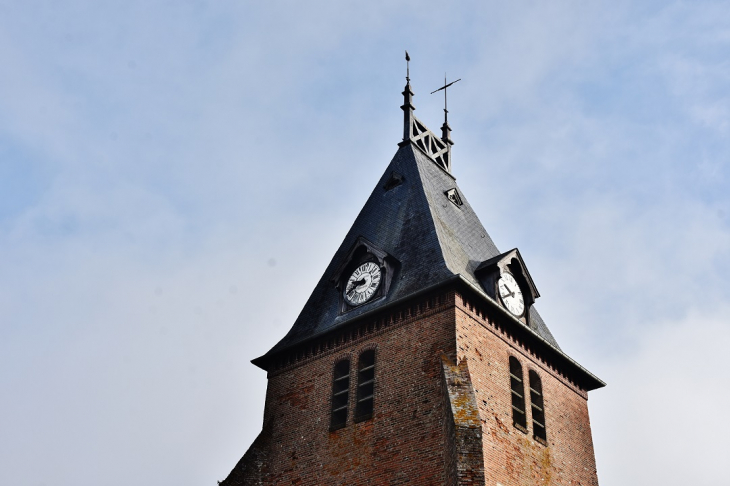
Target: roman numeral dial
x: 362, y: 284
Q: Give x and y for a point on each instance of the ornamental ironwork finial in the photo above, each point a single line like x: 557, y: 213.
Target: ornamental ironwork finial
x: 446, y: 85
x: 445, y: 128
x: 408, y: 67
x: 407, y: 103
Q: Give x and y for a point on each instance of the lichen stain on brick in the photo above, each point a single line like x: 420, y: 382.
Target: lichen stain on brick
x: 461, y: 407
x: 530, y: 463
x: 546, y: 463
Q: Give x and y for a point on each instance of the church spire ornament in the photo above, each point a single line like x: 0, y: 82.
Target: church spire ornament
x: 407, y: 103
x: 445, y: 128
x: 415, y: 132
x: 408, y: 68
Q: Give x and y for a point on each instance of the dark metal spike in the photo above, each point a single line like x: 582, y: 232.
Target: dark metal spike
x: 408, y: 67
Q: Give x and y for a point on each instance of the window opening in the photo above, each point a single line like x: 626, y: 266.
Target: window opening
x: 340, y: 394
x: 538, y: 408
x: 519, y: 418
x: 365, y: 386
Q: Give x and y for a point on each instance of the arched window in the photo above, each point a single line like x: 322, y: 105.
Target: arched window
x: 517, y: 385
x: 538, y: 411
x: 340, y: 394
x: 365, y: 386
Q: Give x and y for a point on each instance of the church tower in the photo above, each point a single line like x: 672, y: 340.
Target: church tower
x: 420, y: 357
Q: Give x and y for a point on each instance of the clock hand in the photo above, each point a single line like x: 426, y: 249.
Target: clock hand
x: 509, y: 293
x: 355, y: 285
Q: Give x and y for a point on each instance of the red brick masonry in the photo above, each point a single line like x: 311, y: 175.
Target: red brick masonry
x: 435, y: 422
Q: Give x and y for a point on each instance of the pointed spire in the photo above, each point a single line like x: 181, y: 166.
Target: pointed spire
x: 407, y: 103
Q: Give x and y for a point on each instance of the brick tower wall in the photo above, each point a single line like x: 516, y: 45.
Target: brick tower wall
x: 512, y: 457
x: 405, y: 442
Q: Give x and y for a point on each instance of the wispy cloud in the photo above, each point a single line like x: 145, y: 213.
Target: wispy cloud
x: 175, y: 177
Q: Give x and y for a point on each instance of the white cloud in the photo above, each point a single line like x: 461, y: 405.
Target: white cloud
x: 665, y: 401
x: 165, y: 153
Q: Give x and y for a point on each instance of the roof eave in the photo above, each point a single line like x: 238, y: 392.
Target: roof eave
x: 591, y: 381
x: 588, y: 379
x: 263, y: 360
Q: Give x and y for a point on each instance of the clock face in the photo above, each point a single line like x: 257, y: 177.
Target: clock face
x: 362, y: 284
x: 511, y: 294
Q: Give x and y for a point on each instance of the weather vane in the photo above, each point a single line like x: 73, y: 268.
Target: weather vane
x: 408, y: 67
x: 446, y: 85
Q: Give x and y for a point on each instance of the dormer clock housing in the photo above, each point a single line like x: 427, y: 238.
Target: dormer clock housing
x: 506, y: 280
x: 364, y: 275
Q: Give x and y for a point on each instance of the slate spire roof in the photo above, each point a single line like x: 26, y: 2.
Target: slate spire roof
x: 419, y: 216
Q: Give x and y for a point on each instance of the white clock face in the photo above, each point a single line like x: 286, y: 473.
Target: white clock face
x: 511, y: 294
x: 362, y: 284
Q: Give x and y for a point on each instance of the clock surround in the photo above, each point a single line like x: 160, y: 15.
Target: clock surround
x: 520, y: 294
x: 363, y: 253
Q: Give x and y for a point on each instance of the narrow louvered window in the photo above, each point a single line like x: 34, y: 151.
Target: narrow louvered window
x: 538, y: 410
x: 340, y: 394
x: 365, y: 386
x: 517, y: 385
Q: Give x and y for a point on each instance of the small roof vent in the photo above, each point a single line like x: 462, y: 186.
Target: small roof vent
x: 395, y: 180
x: 454, y: 197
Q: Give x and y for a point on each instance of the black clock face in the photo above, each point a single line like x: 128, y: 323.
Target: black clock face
x: 362, y: 284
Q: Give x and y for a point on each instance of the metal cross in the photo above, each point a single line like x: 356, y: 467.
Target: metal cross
x: 446, y: 112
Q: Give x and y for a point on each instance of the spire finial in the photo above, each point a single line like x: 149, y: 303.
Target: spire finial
x: 408, y: 68
x: 407, y: 103
x: 445, y: 128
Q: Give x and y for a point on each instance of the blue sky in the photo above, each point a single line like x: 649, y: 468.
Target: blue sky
x: 175, y: 176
